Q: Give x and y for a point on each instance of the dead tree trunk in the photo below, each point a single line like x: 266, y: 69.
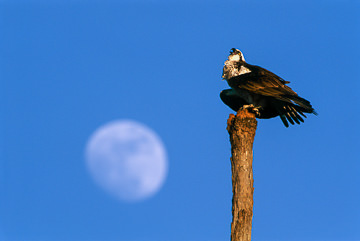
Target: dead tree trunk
x: 242, y: 129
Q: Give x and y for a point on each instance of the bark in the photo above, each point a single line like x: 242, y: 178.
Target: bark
x: 242, y: 129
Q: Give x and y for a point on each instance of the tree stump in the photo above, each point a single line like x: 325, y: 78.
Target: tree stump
x: 242, y: 128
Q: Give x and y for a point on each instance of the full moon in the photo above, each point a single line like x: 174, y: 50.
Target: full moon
x: 127, y: 159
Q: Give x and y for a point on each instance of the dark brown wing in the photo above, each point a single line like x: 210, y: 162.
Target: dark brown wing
x: 283, y: 101
x: 263, y: 82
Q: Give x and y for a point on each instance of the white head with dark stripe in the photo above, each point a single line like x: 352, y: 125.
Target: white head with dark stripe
x: 236, y: 55
x: 234, y: 65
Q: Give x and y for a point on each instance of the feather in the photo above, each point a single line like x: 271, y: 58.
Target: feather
x: 287, y: 115
x: 293, y: 116
x: 297, y: 115
x: 301, y: 113
x: 282, y: 117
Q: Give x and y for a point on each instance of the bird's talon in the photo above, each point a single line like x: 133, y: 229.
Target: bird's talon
x: 248, y: 107
x: 252, y: 108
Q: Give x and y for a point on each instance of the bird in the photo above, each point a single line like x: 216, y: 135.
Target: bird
x: 261, y: 92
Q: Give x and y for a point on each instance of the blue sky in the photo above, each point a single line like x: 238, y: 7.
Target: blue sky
x: 69, y: 67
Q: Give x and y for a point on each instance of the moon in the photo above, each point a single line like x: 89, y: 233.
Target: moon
x: 127, y: 159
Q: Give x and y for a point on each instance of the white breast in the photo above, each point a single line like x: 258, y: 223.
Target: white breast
x: 237, y: 72
x: 231, y: 70
x: 243, y: 70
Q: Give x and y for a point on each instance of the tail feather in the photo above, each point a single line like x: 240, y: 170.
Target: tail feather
x: 297, y: 115
x: 282, y: 117
x: 291, y: 113
x: 288, y: 117
x: 301, y: 104
x: 299, y: 111
x: 293, y: 116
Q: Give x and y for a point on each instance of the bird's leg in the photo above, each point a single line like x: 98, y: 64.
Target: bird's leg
x: 253, y: 109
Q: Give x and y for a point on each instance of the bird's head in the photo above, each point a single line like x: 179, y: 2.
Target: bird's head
x: 236, y: 55
x: 232, y: 64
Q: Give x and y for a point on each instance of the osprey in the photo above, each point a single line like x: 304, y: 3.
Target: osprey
x: 261, y: 91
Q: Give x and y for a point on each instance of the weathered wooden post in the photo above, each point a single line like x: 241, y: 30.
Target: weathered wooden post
x: 242, y: 128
